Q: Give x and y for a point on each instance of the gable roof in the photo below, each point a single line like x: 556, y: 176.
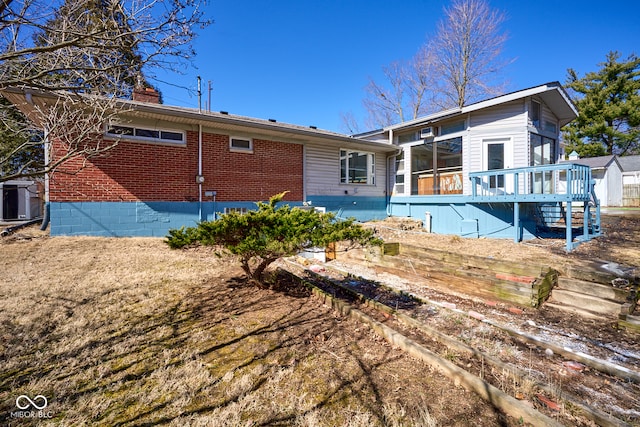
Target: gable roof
x: 629, y: 163
x: 26, y: 99
x: 602, y: 162
x: 553, y: 94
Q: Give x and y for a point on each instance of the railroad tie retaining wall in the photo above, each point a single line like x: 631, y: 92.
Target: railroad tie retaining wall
x: 527, y: 285
x: 506, y: 403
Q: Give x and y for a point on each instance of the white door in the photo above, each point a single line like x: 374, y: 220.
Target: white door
x: 498, y: 154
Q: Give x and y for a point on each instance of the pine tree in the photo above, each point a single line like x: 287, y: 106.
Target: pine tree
x: 260, y: 237
x: 103, y: 57
x: 608, y: 102
x: 21, y: 148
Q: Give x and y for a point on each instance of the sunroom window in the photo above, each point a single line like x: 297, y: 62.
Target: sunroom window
x: 436, y: 167
x: 357, y: 167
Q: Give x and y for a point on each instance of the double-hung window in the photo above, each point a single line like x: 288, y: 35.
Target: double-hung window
x: 357, y: 167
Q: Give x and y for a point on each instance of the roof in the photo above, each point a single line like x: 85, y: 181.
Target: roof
x: 601, y: 162
x: 629, y: 163
x: 553, y: 94
x: 26, y: 99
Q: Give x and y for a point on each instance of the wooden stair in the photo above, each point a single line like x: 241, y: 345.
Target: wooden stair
x: 594, y: 299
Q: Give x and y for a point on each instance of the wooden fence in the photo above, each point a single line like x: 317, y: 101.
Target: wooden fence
x: 631, y: 195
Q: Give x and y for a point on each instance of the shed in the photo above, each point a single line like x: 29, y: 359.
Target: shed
x: 607, y: 174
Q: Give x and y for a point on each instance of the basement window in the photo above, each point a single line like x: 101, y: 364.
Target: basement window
x: 146, y: 134
x: 240, y: 211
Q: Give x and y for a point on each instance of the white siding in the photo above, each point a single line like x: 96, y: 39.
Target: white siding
x: 503, y: 121
x: 614, y: 184
x: 322, y: 173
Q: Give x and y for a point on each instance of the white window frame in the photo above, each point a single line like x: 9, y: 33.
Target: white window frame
x: 536, y: 107
x: 371, y: 167
x: 134, y: 129
x: 240, y: 149
x: 241, y: 210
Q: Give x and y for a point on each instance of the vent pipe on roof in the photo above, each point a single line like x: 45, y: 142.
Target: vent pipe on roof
x: 199, y: 95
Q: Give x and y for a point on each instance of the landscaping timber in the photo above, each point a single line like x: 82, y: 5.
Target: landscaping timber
x: 587, y: 290
x: 526, y: 285
x: 506, y: 403
x: 629, y: 323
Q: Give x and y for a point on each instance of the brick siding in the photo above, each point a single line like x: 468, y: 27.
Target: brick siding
x: 135, y: 171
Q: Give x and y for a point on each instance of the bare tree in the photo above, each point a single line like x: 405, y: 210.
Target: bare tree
x: 384, y: 103
x: 403, y: 94
x: 468, y: 47
x: 74, y: 50
x: 454, y: 68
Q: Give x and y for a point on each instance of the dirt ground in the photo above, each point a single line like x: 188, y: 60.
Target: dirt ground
x: 619, y: 243
x: 128, y: 332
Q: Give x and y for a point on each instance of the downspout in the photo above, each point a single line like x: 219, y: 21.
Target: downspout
x: 200, y: 180
x: 46, y: 217
x: 389, y: 187
x: 304, y: 173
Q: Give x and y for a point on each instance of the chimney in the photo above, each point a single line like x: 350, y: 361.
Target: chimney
x: 146, y: 94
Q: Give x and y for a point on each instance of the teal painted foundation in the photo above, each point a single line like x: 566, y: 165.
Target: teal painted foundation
x: 155, y: 219
x: 456, y: 215
x: 360, y: 208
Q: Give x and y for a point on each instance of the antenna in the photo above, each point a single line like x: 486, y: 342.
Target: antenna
x: 209, y: 100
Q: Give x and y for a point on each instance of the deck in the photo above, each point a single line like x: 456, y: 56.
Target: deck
x: 563, y: 183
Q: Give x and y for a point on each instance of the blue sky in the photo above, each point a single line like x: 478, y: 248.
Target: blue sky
x: 305, y: 62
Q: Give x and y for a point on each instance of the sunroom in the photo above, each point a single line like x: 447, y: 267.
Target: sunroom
x: 492, y: 169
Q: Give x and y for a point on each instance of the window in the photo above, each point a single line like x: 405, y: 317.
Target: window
x: 550, y: 126
x: 399, y: 180
x: 240, y: 211
x: 407, y: 137
x: 146, y: 134
x: 534, y: 114
x: 452, y: 127
x: 543, y: 152
x: 357, y: 167
x: 240, y: 144
x: 436, y: 167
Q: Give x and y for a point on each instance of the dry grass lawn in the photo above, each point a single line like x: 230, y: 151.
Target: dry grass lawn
x: 127, y: 332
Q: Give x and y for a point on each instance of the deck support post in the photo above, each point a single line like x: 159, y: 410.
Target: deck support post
x: 516, y: 221
x: 569, y: 227
x: 586, y: 218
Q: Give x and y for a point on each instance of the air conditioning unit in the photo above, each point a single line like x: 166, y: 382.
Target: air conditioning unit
x: 428, y: 132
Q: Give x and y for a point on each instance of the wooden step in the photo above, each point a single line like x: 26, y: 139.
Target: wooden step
x: 607, y: 292
x: 629, y: 323
x: 585, y: 302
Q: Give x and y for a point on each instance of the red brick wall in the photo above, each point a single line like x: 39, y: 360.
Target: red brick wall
x: 151, y: 172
